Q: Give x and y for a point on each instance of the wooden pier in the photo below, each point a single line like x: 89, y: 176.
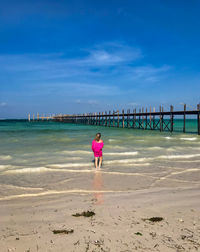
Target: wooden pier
x: 145, y: 119
x: 38, y: 117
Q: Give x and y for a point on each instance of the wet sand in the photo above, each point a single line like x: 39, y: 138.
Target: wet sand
x: 119, y: 224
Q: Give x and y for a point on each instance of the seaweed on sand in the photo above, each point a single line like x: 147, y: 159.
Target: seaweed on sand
x: 154, y: 219
x: 63, y: 231
x: 85, y: 214
x: 138, y: 233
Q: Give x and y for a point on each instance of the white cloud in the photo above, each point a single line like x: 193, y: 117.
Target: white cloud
x: 85, y: 89
x: 3, y: 104
x: 105, y: 63
x: 89, y: 102
x: 78, y: 101
x: 112, y: 54
x: 133, y: 104
x: 93, y: 102
x: 104, y: 55
x: 149, y: 73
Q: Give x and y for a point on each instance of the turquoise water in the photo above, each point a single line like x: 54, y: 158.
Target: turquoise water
x: 40, y: 157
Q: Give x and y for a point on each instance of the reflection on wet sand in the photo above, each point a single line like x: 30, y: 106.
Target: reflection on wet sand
x: 97, y: 185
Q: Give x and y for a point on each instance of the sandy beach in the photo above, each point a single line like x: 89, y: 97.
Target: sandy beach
x: 120, y: 222
x: 144, y: 175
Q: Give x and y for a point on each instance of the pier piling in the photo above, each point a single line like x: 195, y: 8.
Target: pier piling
x: 118, y: 118
x: 171, y: 118
x: 154, y: 120
x: 198, y: 118
x: 184, y: 118
x: 123, y: 118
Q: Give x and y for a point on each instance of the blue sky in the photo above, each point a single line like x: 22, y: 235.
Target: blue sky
x: 91, y: 56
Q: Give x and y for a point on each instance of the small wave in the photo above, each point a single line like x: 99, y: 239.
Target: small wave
x: 172, y: 149
x: 187, y: 161
x: 69, y: 165
x: 168, y: 138
x: 126, y: 161
x: 184, y: 171
x: 127, y: 173
x: 79, y: 171
x: 188, y: 138
x: 52, y: 192
x: 9, y: 186
x: 72, y: 158
x: 183, y: 148
x: 112, y: 140
x: 136, y: 164
x: 76, y: 152
x: 115, y: 147
x: 28, y: 170
x: 107, y: 172
x: 121, y: 153
x: 5, y: 166
x: 44, y: 169
x: 106, y: 154
x: 155, y: 148
x: 5, y: 157
x: 178, y: 156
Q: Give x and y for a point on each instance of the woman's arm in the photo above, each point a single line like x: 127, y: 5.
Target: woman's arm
x: 92, y: 145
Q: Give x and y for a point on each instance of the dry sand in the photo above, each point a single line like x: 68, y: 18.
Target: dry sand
x: 27, y: 223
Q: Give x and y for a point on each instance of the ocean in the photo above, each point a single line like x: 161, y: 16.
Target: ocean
x: 39, y: 158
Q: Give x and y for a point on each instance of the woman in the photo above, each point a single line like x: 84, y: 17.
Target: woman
x: 97, y: 146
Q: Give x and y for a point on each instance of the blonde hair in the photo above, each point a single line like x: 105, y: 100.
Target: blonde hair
x: 98, y: 136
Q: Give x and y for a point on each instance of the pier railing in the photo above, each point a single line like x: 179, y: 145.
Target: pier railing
x: 143, y: 119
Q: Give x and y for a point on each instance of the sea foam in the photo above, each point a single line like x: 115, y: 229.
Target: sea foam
x: 168, y: 138
x: 76, y: 152
x: 126, y: 161
x: 28, y: 170
x: 69, y: 165
x: 178, y: 156
x: 188, y: 138
x: 5, y: 157
x: 154, y: 148
x: 112, y: 140
x: 121, y: 153
x: 5, y: 167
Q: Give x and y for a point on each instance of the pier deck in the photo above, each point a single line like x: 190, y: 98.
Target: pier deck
x: 143, y: 119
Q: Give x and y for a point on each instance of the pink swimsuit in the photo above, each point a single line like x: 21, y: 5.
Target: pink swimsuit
x: 97, y: 148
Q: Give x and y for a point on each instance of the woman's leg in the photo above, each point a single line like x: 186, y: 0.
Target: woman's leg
x: 100, y: 161
x: 96, y: 162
